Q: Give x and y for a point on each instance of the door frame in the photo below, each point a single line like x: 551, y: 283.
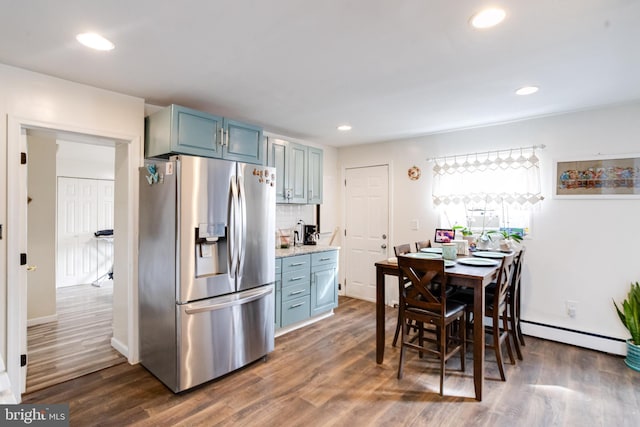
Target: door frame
x: 343, y: 187
x: 126, y: 242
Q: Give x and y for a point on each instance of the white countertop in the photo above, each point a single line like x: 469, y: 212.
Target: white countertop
x: 305, y: 249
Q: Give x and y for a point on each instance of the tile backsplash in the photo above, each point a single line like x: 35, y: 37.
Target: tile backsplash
x: 287, y: 216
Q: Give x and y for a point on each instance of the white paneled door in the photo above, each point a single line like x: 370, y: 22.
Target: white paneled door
x: 367, y: 228
x: 84, y: 207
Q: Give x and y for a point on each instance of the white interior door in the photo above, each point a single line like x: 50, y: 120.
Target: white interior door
x: 367, y: 228
x: 84, y: 207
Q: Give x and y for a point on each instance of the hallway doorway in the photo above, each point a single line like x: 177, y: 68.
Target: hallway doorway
x: 69, y: 320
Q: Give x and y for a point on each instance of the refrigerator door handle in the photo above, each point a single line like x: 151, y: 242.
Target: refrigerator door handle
x: 231, y: 232
x: 242, y: 220
x: 252, y: 296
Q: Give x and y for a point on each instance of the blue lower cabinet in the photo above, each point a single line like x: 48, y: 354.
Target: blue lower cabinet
x: 308, y: 286
x: 295, y: 310
x: 324, y: 291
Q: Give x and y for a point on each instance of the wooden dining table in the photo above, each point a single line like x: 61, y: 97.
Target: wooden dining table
x: 459, y: 275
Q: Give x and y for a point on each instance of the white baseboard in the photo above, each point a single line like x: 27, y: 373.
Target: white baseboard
x: 120, y: 347
x: 41, y: 320
x: 603, y: 344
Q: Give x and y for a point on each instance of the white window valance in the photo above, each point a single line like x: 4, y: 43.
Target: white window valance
x: 509, y: 176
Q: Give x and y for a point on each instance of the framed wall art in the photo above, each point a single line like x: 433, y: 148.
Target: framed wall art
x: 612, y: 177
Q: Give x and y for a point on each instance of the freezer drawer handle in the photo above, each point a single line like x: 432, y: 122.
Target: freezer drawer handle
x: 232, y: 303
x: 297, y: 305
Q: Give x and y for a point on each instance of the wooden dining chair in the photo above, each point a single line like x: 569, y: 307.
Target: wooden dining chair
x: 419, y: 304
x: 402, y: 282
x: 513, y: 301
x: 423, y: 244
x: 496, y: 309
x: 402, y: 249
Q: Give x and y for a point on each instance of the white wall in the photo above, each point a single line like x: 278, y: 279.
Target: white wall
x: 570, y: 254
x: 85, y: 160
x: 49, y: 102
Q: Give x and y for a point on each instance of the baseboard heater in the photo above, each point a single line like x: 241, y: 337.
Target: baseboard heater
x: 574, y: 337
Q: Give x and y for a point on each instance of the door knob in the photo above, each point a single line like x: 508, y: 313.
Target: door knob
x: 32, y: 267
x: 383, y: 246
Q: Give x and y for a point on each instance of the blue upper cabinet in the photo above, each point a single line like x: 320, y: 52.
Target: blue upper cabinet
x: 277, y: 157
x: 298, y: 171
x: 177, y: 129
x: 243, y: 142
x: 180, y: 130
x: 314, y: 184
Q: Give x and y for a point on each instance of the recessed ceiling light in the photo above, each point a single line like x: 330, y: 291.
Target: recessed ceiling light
x: 95, y: 41
x: 344, y: 128
x: 527, y: 90
x: 488, y: 18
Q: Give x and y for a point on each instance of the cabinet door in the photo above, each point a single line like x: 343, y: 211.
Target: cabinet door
x: 196, y: 133
x: 315, y: 176
x: 277, y: 157
x: 295, y: 310
x: 297, y: 173
x: 324, y: 290
x: 243, y: 142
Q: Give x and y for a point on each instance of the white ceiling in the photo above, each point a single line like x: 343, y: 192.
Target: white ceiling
x: 390, y: 68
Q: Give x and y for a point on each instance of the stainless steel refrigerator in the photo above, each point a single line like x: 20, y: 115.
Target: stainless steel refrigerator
x: 206, y: 267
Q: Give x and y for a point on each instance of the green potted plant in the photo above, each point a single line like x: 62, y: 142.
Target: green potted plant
x: 630, y: 317
x: 509, y: 240
x: 462, y: 230
x: 466, y: 234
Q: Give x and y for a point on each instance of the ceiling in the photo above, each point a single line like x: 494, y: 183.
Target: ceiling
x: 391, y: 69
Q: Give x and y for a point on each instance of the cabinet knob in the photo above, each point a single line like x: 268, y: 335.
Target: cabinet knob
x: 383, y: 246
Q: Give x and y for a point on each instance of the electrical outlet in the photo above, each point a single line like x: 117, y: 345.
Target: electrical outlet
x: 572, y: 306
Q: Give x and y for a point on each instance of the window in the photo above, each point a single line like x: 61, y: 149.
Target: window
x: 487, y: 191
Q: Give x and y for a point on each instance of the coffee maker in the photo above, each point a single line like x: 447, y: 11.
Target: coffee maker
x: 310, y: 235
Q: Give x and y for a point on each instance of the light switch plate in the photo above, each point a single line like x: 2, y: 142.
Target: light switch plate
x: 414, y: 224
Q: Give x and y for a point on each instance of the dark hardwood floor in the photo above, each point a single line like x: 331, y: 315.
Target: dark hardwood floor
x: 78, y: 343
x: 326, y: 375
